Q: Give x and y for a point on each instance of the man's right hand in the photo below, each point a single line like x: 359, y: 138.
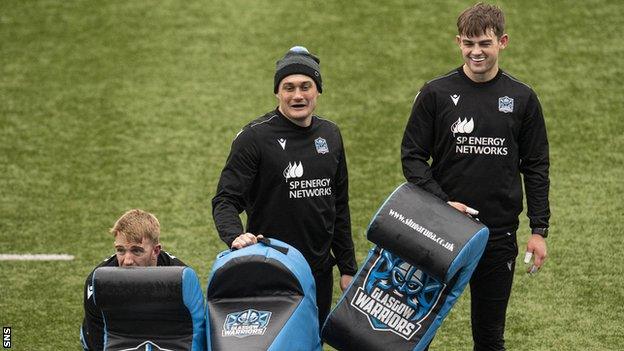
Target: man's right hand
x: 245, y: 239
x: 463, y: 208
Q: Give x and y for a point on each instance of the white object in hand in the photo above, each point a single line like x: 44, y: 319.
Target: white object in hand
x: 471, y: 211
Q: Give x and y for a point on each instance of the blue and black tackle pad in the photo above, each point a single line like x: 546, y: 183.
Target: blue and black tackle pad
x: 426, y: 252
x: 150, y: 308
x: 262, y: 297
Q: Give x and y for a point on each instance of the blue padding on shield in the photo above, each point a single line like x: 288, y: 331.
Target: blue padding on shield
x: 471, y: 252
x: 293, y: 328
x: 423, y: 230
x: 145, y: 307
x: 425, y: 255
x: 465, y: 263
x: 297, y: 332
x: 193, y: 298
x: 292, y: 260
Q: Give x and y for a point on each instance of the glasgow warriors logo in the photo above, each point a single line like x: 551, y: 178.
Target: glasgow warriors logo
x: 246, y: 323
x: 397, y: 296
x: 505, y: 104
x: 321, y: 145
x: 147, y: 346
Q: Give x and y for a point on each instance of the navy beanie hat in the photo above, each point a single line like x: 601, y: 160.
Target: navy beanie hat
x: 298, y: 60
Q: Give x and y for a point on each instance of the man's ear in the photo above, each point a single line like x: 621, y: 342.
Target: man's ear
x: 458, y: 40
x: 157, y: 249
x: 504, y: 41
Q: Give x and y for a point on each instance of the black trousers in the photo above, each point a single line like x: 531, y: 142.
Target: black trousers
x: 324, y: 291
x: 490, y: 289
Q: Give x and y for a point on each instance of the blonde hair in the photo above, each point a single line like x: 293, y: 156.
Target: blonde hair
x: 136, y: 225
x: 477, y: 19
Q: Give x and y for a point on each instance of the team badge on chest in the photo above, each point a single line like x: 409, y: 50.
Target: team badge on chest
x: 321, y: 145
x: 505, y: 104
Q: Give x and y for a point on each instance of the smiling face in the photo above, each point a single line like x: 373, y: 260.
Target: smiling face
x: 297, y: 95
x: 480, y: 54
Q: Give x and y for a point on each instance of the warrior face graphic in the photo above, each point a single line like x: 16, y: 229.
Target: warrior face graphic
x: 408, y: 283
x: 407, y: 279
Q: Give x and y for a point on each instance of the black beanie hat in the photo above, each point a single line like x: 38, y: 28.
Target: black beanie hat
x: 298, y: 60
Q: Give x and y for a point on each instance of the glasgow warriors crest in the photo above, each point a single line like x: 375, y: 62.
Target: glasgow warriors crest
x: 246, y: 323
x: 397, y: 296
x: 505, y: 104
x: 321, y: 145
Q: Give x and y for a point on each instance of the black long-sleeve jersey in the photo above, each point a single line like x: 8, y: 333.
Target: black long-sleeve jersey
x: 92, y: 330
x: 480, y: 137
x: 292, y: 182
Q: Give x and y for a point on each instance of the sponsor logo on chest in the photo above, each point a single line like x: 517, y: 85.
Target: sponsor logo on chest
x: 299, y: 188
x: 466, y: 143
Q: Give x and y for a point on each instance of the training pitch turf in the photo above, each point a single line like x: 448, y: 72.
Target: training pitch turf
x: 111, y: 105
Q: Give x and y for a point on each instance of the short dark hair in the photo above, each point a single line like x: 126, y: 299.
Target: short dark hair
x: 480, y: 17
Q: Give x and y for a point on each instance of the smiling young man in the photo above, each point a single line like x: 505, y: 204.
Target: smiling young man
x: 485, y: 133
x: 287, y: 170
x: 137, y: 243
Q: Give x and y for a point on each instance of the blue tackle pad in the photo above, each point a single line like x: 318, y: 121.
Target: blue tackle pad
x: 262, y: 297
x: 150, y: 308
x: 425, y: 254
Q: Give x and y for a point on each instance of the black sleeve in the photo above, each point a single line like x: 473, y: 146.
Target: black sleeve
x: 92, y: 331
x: 232, y: 191
x: 342, y: 243
x: 417, y: 144
x: 534, y: 163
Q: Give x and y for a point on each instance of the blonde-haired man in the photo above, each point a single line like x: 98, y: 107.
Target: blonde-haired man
x: 137, y: 243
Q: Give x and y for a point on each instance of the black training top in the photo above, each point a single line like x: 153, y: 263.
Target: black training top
x: 92, y: 331
x: 292, y: 183
x: 481, y: 137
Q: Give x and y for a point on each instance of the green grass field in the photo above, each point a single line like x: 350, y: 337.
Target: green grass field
x: 112, y: 105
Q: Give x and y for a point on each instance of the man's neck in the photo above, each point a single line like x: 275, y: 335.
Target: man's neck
x: 480, y: 78
x: 303, y: 122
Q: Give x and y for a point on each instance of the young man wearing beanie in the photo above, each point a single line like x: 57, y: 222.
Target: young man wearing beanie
x: 287, y: 170
x: 483, y: 129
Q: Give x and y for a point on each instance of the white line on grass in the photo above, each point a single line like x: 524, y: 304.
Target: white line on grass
x: 36, y: 257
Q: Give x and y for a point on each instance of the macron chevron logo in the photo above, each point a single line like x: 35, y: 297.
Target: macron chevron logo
x: 455, y: 98
x: 282, y: 143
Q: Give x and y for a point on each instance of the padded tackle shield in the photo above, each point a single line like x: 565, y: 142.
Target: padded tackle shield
x: 155, y: 308
x: 425, y: 256
x: 262, y: 297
